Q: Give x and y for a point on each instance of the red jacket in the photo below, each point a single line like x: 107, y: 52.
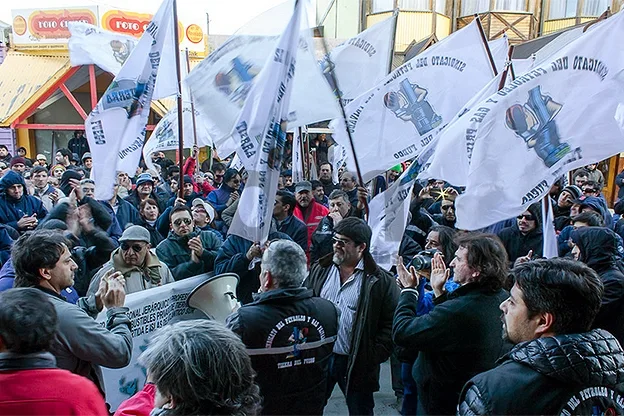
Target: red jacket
x: 141, y: 404
x: 48, y: 391
x: 189, y: 169
x: 315, y: 213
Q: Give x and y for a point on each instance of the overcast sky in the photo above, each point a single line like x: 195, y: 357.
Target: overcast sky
x: 225, y: 15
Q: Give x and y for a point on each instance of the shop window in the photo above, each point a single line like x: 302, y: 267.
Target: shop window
x: 560, y: 9
x: 379, y: 6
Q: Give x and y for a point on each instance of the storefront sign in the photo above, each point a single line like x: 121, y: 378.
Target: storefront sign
x: 47, y: 28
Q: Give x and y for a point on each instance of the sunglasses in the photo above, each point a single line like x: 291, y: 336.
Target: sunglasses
x: 526, y: 217
x: 218, y: 176
x: 589, y: 191
x: 447, y: 207
x: 340, y: 242
x: 135, y: 247
x: 186, y: 221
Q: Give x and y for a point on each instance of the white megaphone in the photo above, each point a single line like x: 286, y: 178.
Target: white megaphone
x: 216, y: 297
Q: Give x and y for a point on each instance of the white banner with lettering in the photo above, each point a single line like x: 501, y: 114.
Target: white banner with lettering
x: 149, y: 310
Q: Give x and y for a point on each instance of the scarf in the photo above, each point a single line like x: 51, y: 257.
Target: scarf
x: 150, y: 269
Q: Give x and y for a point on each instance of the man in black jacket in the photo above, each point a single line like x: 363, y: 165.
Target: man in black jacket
x: 556, y: 366
x: 366, y: 296
x: 524, y: 239
x: 339, y: 208
x: 597, y: 247
x: 460, y: 337
x: 289, y: 334
x: 286, y: 222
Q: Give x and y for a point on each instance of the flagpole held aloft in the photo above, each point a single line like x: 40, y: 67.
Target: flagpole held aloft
x: 508, y: 69
x: 344, y: 114
x: 188, y: 69
x: 485, y: 44
x: 176, y: 42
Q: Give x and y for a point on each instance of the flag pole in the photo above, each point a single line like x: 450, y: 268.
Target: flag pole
x: 508, y: 69
x: 395, y: 16
x: 485, y: 44
x: 176, y: 42
x: 188, y: 69
x: 303, y: 169
x: 332, y: 74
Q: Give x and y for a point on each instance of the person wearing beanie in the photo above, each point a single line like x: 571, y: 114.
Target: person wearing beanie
x: 18, y: 165
x: 189, y: 193
x: 87, y: 163
x: 144, y: 190
x: 565, y: 200
x: 524, y: 240
x: 42, y: 160
x: 57, y: 171
x: 366, y: 296
x: 18, y: 209
x: 140, y: 267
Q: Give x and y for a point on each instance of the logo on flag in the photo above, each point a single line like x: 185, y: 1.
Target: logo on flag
x: 409, y: 104
x: 121, y: 50
x: 534, y: 123
x: 126, y: 94
x: 236, y: 81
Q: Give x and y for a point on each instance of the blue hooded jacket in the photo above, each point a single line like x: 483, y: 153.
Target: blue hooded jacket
x: 11, y: 209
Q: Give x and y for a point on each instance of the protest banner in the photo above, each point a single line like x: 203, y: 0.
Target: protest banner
x: 149, y: 310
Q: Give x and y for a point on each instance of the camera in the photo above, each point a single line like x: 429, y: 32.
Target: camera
x: 422, y: 260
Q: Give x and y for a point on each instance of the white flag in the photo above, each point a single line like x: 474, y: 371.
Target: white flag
x: 221, y: 82
x: 339, y: 157
x: 116, y: 126
x: 362, y: 61
x: 388, y: 213
x: 165, y: 135
x: 261, y: 132
x: 297, y: 158
x: 499, y: 48
x: 91, y: 45
x: 454, y: 144
x: 565, y: 113
x: 395, y: 120
x: 550, y: 248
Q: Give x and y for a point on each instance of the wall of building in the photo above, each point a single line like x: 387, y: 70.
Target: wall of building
x: 343, y: 20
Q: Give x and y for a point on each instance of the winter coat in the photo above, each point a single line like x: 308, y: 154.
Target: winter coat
x: 176, y: 254
x: 311, y: 216
x: 619, y: 181
x: 189, y: 199
x: 287, y: 387
x: 11, y: 209
x: 219, y: 197
x: 44, y: 196
x: 371, y: 336
x: 232, y: 258
x: 154, y: 274
x: 598, y: 247
x: 32, y: 385
x: 458, y: 339
x: 296, y: 229
x: 83, y: 345
x: 518, y: 244
x: 544, y: 377
x: 126, y: 213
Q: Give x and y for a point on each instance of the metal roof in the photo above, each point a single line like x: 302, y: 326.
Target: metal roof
x: 24, y: 77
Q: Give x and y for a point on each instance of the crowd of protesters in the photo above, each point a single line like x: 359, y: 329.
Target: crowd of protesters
x: 436, y: 315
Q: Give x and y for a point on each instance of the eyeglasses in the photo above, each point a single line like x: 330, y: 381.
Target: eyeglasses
x: 179, y: 221
x: 135, y: 247
x: 340, y: 242
x: 526, y: 217
x: 218, y: 176
x: 447, y: 207
x: 589, y: 191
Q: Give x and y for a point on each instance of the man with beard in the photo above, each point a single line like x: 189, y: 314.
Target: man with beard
x: 558, y: 366
x: 523, y: 240
x: 366, y: 296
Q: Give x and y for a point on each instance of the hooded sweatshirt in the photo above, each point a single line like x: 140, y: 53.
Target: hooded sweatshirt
x: 599, y: 250
x: 11, y: 209
x: 518, y: 244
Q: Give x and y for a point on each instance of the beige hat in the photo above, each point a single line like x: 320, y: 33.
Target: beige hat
x: 42, y: 156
